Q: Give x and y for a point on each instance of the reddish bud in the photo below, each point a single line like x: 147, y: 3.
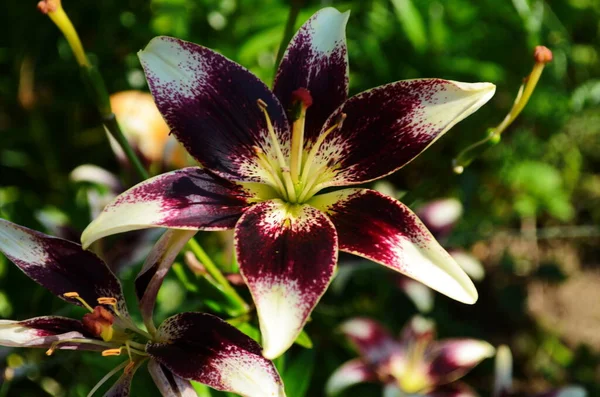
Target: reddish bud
x: 46, y: 6
x: 542, y: 54
x: 303, y: 96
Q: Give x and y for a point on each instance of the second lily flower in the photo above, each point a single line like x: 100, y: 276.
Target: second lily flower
x: 266, y: 154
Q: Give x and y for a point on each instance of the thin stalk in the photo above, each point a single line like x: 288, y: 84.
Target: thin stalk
x: 92, y: 78
x: 216, y: 274
x: 289, y: 30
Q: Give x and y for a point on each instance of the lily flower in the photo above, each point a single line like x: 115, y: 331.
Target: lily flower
x: 186, y: 346
x: 503, y: 379
x: 266, y: 155
x: 414, y: 365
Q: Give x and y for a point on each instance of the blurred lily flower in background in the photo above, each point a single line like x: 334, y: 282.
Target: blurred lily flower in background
x: 503, y: 382
x: 146, y: 132
x: 413, y: 365
x: 186, y: 346
x: 266, y: 154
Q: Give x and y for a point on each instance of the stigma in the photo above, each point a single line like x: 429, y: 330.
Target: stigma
x: 99, y: 323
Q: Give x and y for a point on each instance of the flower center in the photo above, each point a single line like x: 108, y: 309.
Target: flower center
x: 115, y: 332
x: 297, y: 177
x: 410, y: 370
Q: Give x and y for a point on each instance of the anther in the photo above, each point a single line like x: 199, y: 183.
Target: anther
x: 261, y: 104
x: 107, y: 301
x: 75, y: 295
x: 112, y: 352
x: 129, y: 367
x: 52, y: 348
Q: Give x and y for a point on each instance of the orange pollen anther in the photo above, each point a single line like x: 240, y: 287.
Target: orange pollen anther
x: 107, y: 301
x: 542, y: 54
x: 111, y: 352
x: 302, y: 95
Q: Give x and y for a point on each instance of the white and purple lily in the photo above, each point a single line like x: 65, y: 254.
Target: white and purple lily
x: 265, y: 155
x: 186, y: 346
x: 414, y: 365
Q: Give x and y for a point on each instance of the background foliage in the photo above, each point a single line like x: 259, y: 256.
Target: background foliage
x: 531, y: 203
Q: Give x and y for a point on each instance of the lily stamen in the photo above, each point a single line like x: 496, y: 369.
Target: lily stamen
x: 264, y: 163
x: 285, y: 170
x: 75, y: 295
x: 54, y: 345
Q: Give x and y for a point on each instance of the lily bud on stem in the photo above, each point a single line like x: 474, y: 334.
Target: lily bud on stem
x: 542, y: 55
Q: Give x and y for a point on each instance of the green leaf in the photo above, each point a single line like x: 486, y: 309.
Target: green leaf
x: 298, y: 374
x: 304, y: 340
x: 412, y: 23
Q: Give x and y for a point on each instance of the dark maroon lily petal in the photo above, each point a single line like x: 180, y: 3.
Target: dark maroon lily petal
x: 452, y: 358
x: 374, y: 342
x: 440, y: 216
x: 287, y: 254
x: 204, y: 348
x: 348, y: 374
x: 43, y: 332
x: 168, y: 383
x: 155, y: 269
x: 60, y: 265
x: 388, y: 126
x: 210, y: 103
x: 384, y: 230
x: 190, y: 198
x: 316, y: 59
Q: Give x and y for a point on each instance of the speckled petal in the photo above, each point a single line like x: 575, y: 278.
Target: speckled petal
x: 372, y: 340
x: 190, y: 198
x: 388, y: 126
x: 384, y: 230
x: 349, y: 374
x: 60, y: 265
x: 169, y: 384
x: 316, y: 59
x: 204, y: 348
x: 42, y: 332
x: 287, y: 255
x: 210, y: 104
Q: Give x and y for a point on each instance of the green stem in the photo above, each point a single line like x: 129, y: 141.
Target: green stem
x: 95, y: 84
x: 216, y: 274
x: 112, y: 126
x: 99, y: 93
x: 289, y: 30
